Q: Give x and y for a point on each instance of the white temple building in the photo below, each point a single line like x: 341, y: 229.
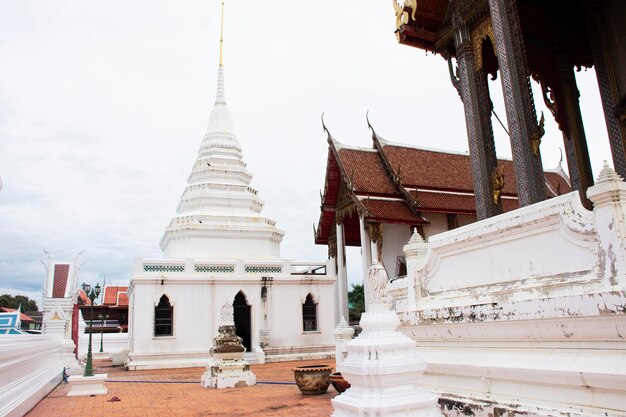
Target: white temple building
x: 219, y: 248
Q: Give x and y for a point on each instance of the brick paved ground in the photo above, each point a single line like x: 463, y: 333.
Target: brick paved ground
x: 177, y: 392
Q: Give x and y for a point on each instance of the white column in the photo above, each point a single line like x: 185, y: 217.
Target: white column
x: 375, y: 254
x: 366, y: 257
x: 335, y: 264
x: 342, y: 273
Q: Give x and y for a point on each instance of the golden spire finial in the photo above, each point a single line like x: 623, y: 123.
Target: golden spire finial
x: 222, y: 36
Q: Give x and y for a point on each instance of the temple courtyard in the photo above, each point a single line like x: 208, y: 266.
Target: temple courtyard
x: 177, y: 392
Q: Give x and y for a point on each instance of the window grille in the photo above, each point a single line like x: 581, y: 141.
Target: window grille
x: 163, y: 318
x: 309, y: 314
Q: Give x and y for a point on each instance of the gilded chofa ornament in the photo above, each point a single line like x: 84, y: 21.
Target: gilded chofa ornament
x: 481, y: 32
x: 332, y: 248
x: 402, y: 10
x: 538, y: 133
x: 497, y: 179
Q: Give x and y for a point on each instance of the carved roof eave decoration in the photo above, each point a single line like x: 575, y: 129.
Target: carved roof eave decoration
x: 410, y: 199
x: 440, y: 41
x: 345, y: 179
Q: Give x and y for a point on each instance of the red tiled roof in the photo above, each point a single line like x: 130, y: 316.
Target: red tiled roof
x: 442, y: 170
x: 122, y: 299
x: 83, y: 296
x: 23, y: 317
x: 385, y: 211
x: 437, y: 202
x: 61, y: 272
x: 440, y: 181
x: 366, y: 172
x: 364, y: 168
x: 557, y: 185
x: 424, y: 168
x: 111, y: 292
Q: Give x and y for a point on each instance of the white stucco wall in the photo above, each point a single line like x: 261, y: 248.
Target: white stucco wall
x: 395, y: 237
x: 198, y: 297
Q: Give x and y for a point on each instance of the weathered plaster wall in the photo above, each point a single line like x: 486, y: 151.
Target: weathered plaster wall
x: 524, y: 313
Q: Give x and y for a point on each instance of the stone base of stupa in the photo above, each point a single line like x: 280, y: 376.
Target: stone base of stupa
x: 228, y: 373
x: 87, y: 385
x: 383, y: 368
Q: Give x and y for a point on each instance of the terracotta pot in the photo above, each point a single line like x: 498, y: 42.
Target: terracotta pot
x: 312, y: 379
x: 338, y: 382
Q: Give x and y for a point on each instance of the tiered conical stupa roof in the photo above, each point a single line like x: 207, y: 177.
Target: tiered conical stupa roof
x: 219, y: 214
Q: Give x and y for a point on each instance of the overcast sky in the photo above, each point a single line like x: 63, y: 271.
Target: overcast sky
x: 103, y: 105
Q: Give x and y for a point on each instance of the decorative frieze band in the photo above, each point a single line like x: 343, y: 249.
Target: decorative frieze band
x: 216, y: 269
x: 263, y: 269
x: 163, y: 268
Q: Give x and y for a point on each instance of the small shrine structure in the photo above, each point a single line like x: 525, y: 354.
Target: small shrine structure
x: 227, y: 369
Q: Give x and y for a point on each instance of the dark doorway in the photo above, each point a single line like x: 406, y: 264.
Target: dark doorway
x: 242, y: 320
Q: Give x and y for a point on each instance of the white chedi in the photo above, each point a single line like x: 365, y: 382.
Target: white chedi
x: 219, y: 213
x: 383, y: 365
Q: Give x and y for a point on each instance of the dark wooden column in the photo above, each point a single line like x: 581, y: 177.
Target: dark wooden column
x: 475, y: 95
x: 607, y: 83
x: 518, y: 100
x: 574, y: 137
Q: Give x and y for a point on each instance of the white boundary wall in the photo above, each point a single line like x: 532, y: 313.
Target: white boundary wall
x: 524, y: 313
x: 30, y: 367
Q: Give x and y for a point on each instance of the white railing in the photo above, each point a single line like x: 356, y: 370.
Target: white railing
x: 243, y: 267
x: 30, y: 367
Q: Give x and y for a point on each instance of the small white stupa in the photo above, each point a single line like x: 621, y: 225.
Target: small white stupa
x: 383, y: 365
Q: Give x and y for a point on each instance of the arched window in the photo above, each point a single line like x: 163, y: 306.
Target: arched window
x: 164, y: 318
x: 309, y: 314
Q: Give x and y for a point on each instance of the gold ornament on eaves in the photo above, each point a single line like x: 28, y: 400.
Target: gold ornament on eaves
x: 402, y: 11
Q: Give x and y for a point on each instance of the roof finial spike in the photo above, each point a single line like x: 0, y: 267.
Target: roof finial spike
x: 222, y: 36
x: 324, y: 125
x: 221, y: 97
x: 367, y: 114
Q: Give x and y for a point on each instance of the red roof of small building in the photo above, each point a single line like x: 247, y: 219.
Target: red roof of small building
x: 23, y: 317
x: 82, y: 295
x: 115, y: 295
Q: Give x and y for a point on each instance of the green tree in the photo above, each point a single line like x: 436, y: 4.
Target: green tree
x: 11, y: 301
x: 356, y: 302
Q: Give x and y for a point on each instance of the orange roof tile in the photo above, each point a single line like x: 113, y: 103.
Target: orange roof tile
x: 366, y: 172
x: 385, y: 211
x: 110, y: 296
x: 82, y: 295
x: 122, y: 299
x: 23, y: 317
